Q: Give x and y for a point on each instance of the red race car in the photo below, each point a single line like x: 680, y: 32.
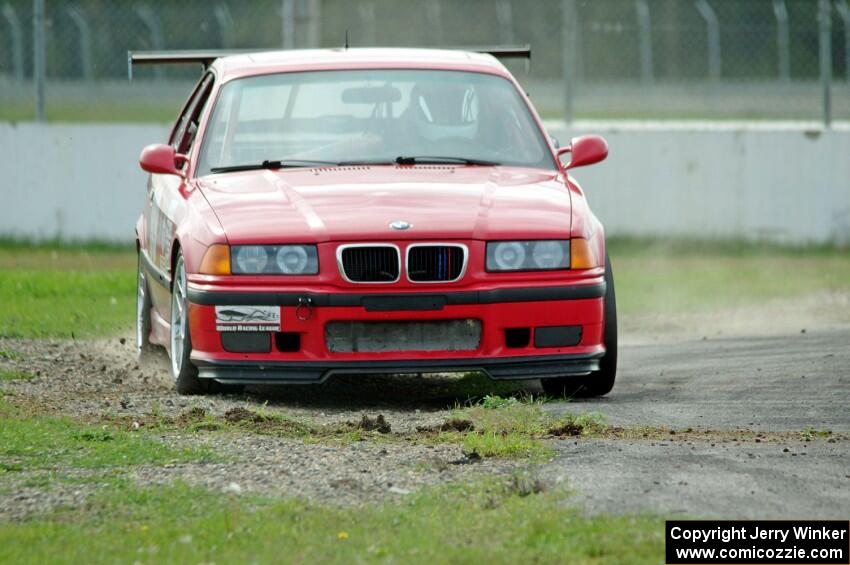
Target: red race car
x: 370, y: 211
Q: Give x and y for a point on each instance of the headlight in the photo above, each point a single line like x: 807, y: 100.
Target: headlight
x: 251, y: 259
x: 292, y: 259
x: 528, y: 255
x: 275, y: 259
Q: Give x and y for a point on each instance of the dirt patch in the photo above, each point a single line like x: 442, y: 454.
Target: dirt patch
x: 191, y: 416
x: 378, y: 424
x: 567, y: 429
x: 451, y: 425
x: 242, y: 415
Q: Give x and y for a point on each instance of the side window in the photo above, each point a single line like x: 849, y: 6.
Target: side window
x: 187, y: 126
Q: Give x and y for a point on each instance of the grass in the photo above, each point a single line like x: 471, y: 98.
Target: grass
x: 52, y: 291
x: 55, y: 290
x: 811, y: 433
x: 13, y: 375
x: 513, y: 427
x: 9, y: 355
x: 39, y: 442
x: 684, y: 276
x: 490, y: 521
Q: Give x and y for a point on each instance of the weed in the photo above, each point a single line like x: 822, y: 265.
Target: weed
x: 493, y: 402
x: 811, y: 433
x: 13, y: 375
x: 506, y: 444
x: 10, y: 355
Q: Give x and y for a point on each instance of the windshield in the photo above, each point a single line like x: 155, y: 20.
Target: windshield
x: 372, y: 116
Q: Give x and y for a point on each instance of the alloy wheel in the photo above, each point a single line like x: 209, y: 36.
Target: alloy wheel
x: 179, y: 318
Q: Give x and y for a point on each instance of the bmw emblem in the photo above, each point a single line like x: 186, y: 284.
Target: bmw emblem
x: 401, y: 225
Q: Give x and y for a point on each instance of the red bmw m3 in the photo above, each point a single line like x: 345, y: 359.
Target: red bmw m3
x: 370, y: 211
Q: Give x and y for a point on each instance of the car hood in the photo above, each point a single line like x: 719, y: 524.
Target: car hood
x: 360, y: 203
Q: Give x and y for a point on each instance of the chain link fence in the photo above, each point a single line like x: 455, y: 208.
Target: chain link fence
x: 592, y: 59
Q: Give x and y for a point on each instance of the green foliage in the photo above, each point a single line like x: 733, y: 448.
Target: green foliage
x: 489, y: 443
x: 496, y: 401
x: 811, y: 433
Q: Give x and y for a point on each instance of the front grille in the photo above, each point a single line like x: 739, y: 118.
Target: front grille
x: 420, y: 335
x: 372, y: 263
x: 435, y: 263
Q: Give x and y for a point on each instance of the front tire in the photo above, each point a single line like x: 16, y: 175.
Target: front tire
x: 185, y: 373
x: 601, y: 382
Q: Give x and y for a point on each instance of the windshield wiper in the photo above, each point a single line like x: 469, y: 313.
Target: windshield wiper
x: 366, y: 163
x: 435, y: 160
x: 269, y: 164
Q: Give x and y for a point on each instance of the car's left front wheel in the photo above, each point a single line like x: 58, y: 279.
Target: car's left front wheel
x: 184, y: 372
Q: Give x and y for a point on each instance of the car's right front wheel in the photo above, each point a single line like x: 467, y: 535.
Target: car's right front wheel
x: 600, y: 382
x: 143, y: 314
x: 184, y: 372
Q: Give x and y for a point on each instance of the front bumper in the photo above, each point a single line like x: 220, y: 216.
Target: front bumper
x: 500, y: 368
x: 497, y: 309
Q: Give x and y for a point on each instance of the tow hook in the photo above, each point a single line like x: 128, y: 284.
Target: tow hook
x: 304, y: 311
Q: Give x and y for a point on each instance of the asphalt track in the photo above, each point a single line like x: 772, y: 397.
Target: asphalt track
x: 760, y: 409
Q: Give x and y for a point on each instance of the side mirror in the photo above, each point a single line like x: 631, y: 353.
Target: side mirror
x: 585, y: 150
x: 161, y: 159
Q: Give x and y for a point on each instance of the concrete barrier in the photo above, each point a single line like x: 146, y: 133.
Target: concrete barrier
x: 788, y: 183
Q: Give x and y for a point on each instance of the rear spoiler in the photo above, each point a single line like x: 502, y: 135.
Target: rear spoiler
x: 207, y: 57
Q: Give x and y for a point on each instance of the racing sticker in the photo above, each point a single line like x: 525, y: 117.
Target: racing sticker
x: 247, y: 318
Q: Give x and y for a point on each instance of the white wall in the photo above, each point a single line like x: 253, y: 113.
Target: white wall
x: 73, y: 181
x: 779, y: 182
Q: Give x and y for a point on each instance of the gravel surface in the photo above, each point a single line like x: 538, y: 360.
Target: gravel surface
x: 96, y: 378
x: 361, y: 471
x: 747, y: 399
